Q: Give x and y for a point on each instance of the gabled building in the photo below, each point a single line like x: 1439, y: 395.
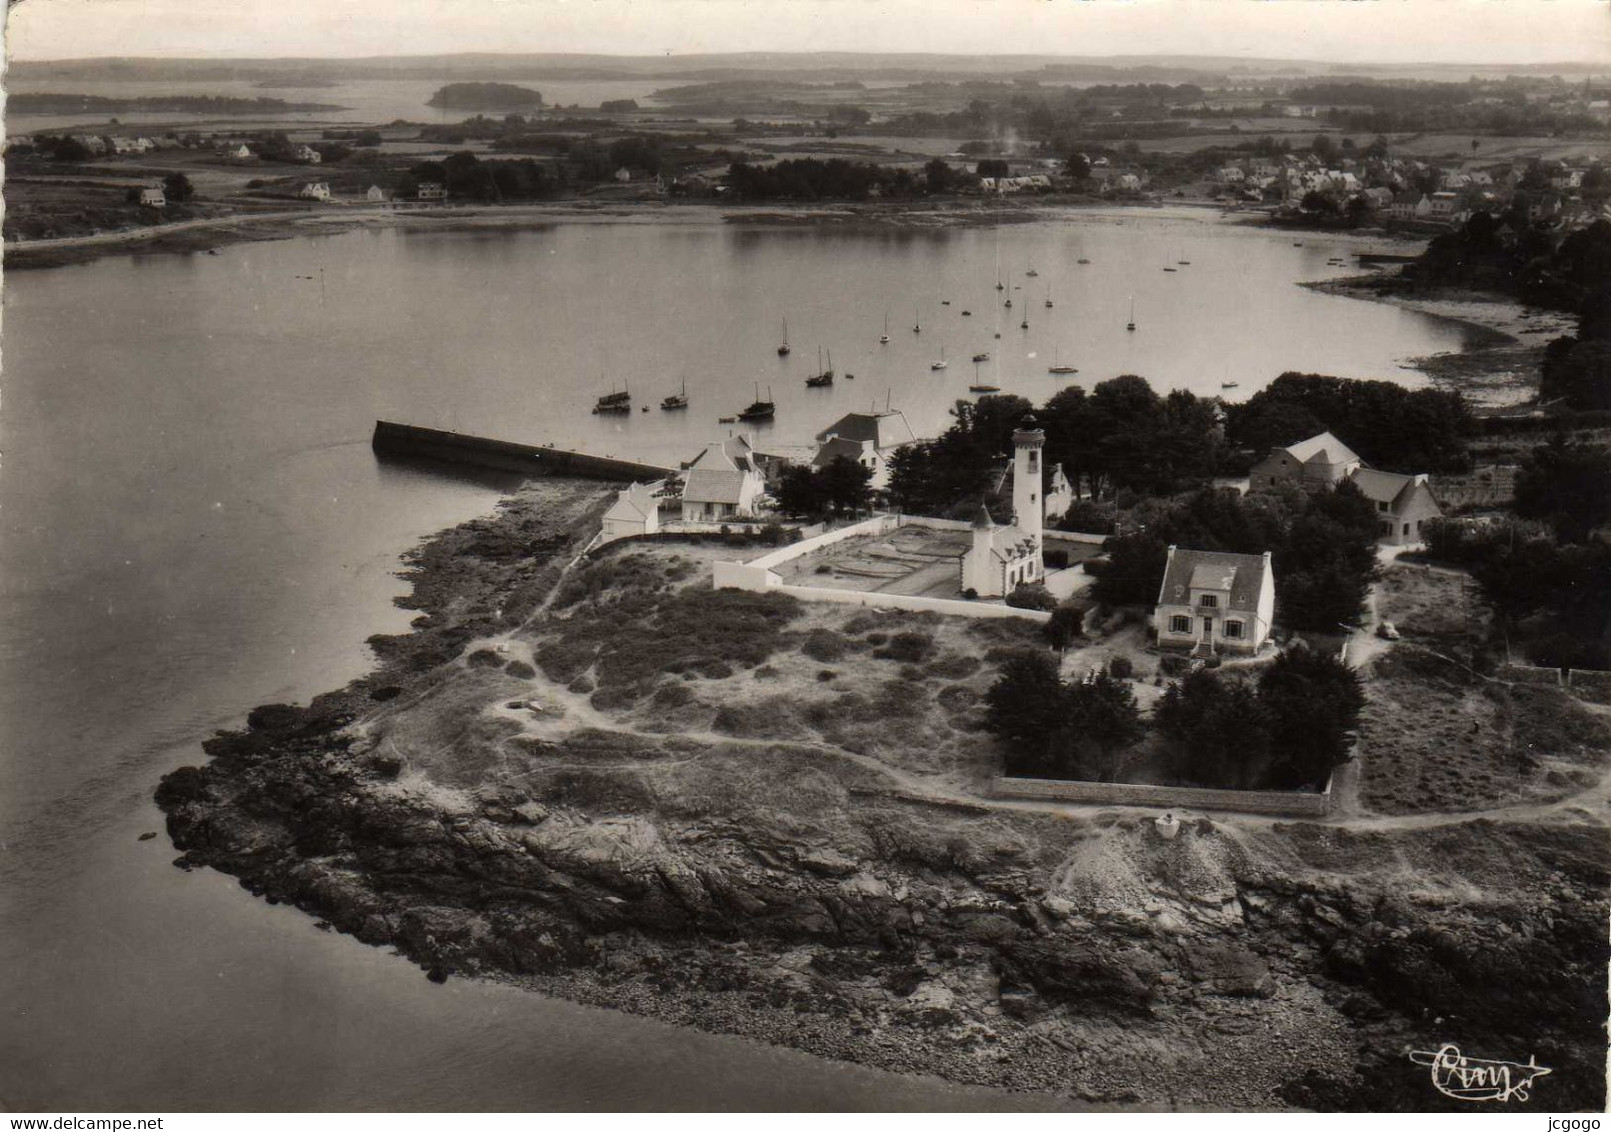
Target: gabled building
x: 1317, y: 464
x: 723, y: 482
x: 1004, y: 557
x: 635, y: 511
x: 867, y: 438
x: 1212, y: 602
x: 308, y: 155
x: 375, y: 194
x: 315, y: 190
x: 1402, y: 503
x: 153, y: 197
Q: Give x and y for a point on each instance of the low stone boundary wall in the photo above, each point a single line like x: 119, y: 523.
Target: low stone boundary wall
x: 1590, y: 684
x: 947, y: 606
x: 1168, y: 798
x: 1530, y: 674
x: 1080, y: 537
x: 877, y: 525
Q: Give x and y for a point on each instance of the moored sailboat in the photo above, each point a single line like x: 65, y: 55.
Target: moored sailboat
x: 678, y: 400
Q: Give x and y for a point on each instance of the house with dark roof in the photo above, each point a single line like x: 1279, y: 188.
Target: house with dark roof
x: 723, y: 482
x: 1402, y: 503
x: 866, y: 438
x: 1317, y: 464
x: 1212, y: 601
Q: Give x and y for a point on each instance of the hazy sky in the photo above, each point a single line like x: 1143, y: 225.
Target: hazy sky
x: 1499, y: 31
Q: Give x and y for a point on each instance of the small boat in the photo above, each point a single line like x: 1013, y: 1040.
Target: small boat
x: 883, y: 338
x: 822, y: 377
x: 1227, y: 385
x: 1032, y: 273
x: 1297, y: 243
x: 982, y: 356
x: 783, y: 350
x: 850, y: 377
x: 1008, y: 304
x: 1024, y: 325
x: 917, y: 323
x: 726, y: 420
x: 1082, y: 261
x: 759, y: 410
x: 1171, y: 269
x: 998, y: 334
x: 1057, y: 366
x: 1000, y: 286
x: 619, y: 401
x: 1048, y: 298
x: 967, y: 314
x: 945, y: 302
x: 677, y: 400
x: 983, y: 387
x: 942, y: 363
x: 1131, y: 325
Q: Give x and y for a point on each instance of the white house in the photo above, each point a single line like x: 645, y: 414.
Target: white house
x: 1402, y: 503
x: 723, y: 482
x: 315, y: 190
x: 867, y: 438
x: 635, y: 511
x: 375, y: 194
x: 308, y: 155
x: 1002, y: 557
x: 1411, y: 206
x: 431, y: 190
x: 623, y: 175
x: 153, y: 197
x: 1316, y: 464
x: 1443, y: 205
x: 240, y: 151
x: 1212, y: 601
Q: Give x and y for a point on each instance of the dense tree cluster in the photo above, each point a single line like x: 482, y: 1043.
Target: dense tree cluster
x: 809, y: 178
x: 1391, y: 427
x: 1323, y: 549
x: 1288, y: 733
x: 466, y: 175
x: 1510, y: 254
x: 1057, y: 730
x: 839, y: 487
x: 949, y: 475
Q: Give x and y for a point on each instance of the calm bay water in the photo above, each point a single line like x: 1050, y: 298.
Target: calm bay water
x: 193, y: 524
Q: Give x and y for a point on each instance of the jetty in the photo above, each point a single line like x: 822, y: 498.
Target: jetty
x: 418, y: 442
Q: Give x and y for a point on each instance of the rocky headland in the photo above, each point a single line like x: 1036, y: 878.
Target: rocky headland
x: 609, y: 782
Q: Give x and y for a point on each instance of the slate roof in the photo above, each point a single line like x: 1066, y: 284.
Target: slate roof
x: 885, y: 430
x: 1241, y: 574
x: 1385, y: 487
x: 1327, y: 447
x: 713, y: 485
x: 636, y: 502
x: 834, y: 447
x: 732, y: 454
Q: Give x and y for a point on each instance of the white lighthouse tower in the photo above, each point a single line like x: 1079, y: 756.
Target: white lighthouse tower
x: 1027, y: 505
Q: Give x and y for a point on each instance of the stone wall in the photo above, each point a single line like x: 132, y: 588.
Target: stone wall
x: 1530, y: 674
x: 1590, y: 684
x: 949, y: 606
x: 1167, y: 798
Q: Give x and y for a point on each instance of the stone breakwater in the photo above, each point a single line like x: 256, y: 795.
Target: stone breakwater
x: 1253, y: 966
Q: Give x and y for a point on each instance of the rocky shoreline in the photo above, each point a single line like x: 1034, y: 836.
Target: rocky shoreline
x: 792, y: 893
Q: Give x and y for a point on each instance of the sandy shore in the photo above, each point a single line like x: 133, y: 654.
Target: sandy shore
x: 1505, y: 339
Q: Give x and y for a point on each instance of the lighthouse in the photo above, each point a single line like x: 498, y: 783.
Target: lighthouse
x: 1028, y: 507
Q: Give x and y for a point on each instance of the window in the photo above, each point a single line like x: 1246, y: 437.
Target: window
x: 1208, y: 601
x: 1034, y: 460
x: 1406, y: 528
x: 1381, y: 505
x: 1233, y: 630
x: 1180, y: 624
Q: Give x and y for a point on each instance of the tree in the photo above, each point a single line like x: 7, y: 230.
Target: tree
x: 845, y: 485
x: 1314, y: 701
x: 1567, y: 485
x: 938, y: 176
x: 1218, y: 732
x: 1064, y: 626
x: 1101, y: 722
x: 799, y: 491
x: 177, y: 187
x: 1025, y: 709
x: 1078, y: 166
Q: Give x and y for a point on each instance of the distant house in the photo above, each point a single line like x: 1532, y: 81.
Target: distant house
x: 240, y: 151
x: 723, y: 482
x: 1060, y: 495
x: 1410, y: 206
x: 1380, y: 198
x: 92, y: 142
x: 1316, y: 464
x: 431, y: 190
x: 1402, y: 503
x: 623, y: 174
x: 124, y: 145
x: 1442, y: 205
x: 375, y: 194
x: 315, y: 190
x: 636, y: 511
x: 1212, y: 601
x: 153, y: 197
x: 308, y: 155
x: 867, y: 438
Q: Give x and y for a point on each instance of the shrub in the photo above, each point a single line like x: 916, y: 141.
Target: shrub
x: 823, y: 568
x: 1031, y: 595
x: 1121, y: 668
x: 877, y: 638
x: 826, y: 675
x: 1055, y: 559
x: 910, y: 648
x: 1064, y: 626
x: 824, y: 645
x: 971, y: 594
x: 520, y: 670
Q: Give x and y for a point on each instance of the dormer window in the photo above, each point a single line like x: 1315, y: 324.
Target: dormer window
x: 1208, y: 601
